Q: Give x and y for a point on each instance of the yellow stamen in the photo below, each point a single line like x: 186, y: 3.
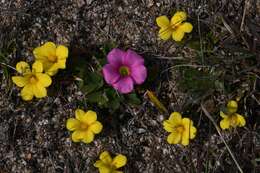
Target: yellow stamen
x: 180, y: 129
x: 124, y: 71
x: 83, y: 126
x: 52, y: 58
x: 33, y: 79
x: 233, y: 120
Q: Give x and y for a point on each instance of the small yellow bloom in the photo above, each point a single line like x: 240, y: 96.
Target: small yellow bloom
x: 108, y: 165
x: 231, y: 118
x: 34, y: 82
x: 181, y: 129
x: 52, y: 57
x: 84, y: 126
x: 175, y: 28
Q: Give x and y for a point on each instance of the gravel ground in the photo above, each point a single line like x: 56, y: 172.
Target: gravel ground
x: 33, y: 137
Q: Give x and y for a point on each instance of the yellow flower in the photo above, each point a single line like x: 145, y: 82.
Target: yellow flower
x: 231, y: 118
x: 52, y: 57
x: 34, y: 82
x: 181, y: 129
x: 84, y: 126
x: 108, y: 165
x: 175, y: 28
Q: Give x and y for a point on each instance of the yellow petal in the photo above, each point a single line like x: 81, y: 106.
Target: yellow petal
x: 185, y: 140
x: 23, y: 67
x: 37, y: 67
x: 104, y: 169
x: 88, y: 137
x: 96, y: 127
x: 118, y: 171
x: 39, y: 91
x: 44, y: 79
x: 27, y: 93
x: 232, y: 106
x: 177, y: 35
x: 178, y: 18
x: 119, y: 161
x: 186, y: 123
x: 168, y: 126
x: 175, y: 118
x: 163, y: 21
x: 44, y: 51
x: 105, y: 157
x: 225, y: 123
x: 186, y: 135
x: 185, y: 27
x: 174, y: 138
x: 193, y: 132
x: 61, y: 64
x: 165, y: 33
x: 19, y: 81
x: 90, y: 117
x: 53, y: 69
x: 99, y: 164
x: 223, y: 115
x: 46, y: 64
x: 62, y: 52
x: 241, y: 120
x: 73, y: 124
x: 77, y: 135
x: 79, y: 114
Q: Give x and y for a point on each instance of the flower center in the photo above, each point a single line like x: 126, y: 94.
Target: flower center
x: 83, y: 126
x: 124, y: 71
x: 52, y: 58
x: 233, y: 120
x: 176, y: 25
x: 33, y: 79
x: 180, y: 128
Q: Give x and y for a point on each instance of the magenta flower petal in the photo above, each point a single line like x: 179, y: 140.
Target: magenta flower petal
x: 139, y: 74
x: 124, y: 85
x: 132, y: 58
x: 110, y: 74
x: 115, y: 57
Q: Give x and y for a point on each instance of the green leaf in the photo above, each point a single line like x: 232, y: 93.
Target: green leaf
x: 197, y: 82
x: 114, y: 104
x: 133, y: 99
x: 97, y: 97
x: 92, y: 82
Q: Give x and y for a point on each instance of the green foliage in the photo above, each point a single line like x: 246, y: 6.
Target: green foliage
x: 91, y: 82
x: 199, y: 83
x: 133, y: 99
x: 195, y: 80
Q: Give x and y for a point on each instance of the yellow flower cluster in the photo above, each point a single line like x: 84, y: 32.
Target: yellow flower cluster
x: 49, y: 58
x: 84, y: 127
x: 182, y: 129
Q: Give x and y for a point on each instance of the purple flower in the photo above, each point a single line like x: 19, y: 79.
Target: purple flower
x: 124, y: 69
